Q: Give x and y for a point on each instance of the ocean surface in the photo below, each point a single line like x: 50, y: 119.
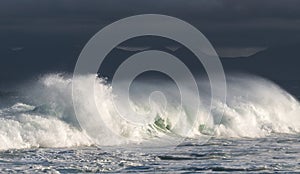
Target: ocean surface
x: 275, y: 153
x: 259, y: 129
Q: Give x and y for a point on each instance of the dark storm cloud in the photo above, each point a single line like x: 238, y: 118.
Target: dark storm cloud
x: 196, y: 9
x: 51, y: 33
x: 246, y: 22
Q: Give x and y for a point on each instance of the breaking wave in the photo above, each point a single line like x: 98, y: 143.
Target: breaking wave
x: 42, y: 114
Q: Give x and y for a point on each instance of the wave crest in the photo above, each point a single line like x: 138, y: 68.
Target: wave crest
x: 45, y: 117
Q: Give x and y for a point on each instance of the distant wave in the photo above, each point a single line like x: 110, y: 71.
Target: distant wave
x: 44, y: 116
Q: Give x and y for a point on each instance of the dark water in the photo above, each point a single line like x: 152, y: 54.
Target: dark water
x: 277, y: 153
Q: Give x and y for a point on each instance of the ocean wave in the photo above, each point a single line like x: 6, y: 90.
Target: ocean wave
x: 255, y: 107
x: 28, y: 131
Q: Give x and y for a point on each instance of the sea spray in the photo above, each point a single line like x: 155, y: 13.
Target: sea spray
x: 45, y: 116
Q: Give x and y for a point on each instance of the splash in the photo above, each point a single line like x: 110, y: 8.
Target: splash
x: 44, y: 116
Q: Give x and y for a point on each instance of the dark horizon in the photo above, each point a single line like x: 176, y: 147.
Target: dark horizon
x: 39, y: 37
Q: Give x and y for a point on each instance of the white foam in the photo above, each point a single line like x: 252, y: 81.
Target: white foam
x: 29, y: 131
x: 255, y: 108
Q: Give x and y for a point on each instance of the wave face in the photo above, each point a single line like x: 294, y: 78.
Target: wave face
x: 42, y: 114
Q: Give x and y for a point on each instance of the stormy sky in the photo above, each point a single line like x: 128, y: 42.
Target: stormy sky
x: 37, y: 35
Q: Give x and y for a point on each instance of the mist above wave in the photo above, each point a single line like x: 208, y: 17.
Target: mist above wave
x: 45, y: 117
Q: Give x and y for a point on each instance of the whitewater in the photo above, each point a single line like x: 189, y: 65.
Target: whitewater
x: 41, y: 114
